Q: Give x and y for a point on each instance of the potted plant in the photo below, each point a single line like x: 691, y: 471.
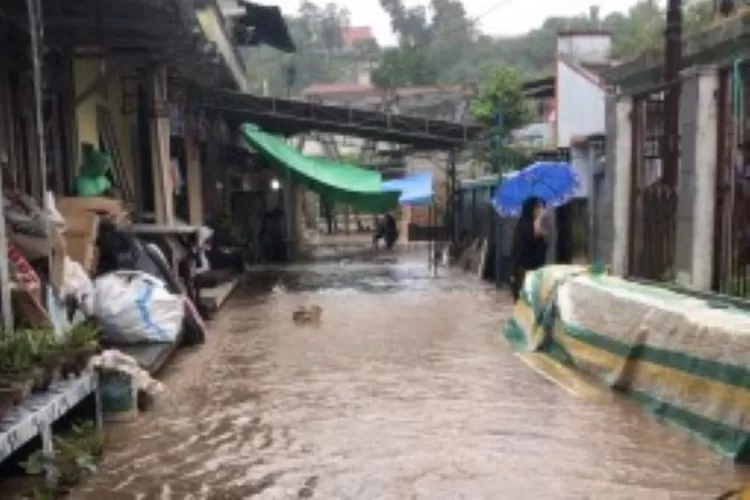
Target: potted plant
x: 46, y: 357
x: 16, y: 363
x: 82, y: 342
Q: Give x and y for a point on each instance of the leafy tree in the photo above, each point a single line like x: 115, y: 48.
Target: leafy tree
x: 502, y: 107
x: 501, y: 103
x: 404, y: 66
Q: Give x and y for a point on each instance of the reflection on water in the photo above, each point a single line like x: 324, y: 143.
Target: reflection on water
x: 406, y: 390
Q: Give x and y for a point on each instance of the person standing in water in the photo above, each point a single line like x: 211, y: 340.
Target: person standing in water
x: 530, y: 242
x: 391, y: 231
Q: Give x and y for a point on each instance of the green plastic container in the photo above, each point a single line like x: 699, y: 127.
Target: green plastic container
x: 119, y: 396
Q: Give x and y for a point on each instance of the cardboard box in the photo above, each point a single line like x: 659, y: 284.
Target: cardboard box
x: 81, y: 232
x: 109, y: 208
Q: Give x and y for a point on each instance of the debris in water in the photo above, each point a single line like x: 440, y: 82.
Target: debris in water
x: 310, y: 314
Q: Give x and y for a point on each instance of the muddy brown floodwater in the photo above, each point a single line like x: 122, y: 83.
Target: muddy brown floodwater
x: 407, y: 390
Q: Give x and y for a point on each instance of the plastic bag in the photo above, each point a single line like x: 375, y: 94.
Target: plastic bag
x: 92, y: 179
x: 133, y: 307
x: 78, y: 285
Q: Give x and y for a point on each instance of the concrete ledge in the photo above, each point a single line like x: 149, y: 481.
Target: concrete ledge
x: 685, y: 359
x: 214, y: 298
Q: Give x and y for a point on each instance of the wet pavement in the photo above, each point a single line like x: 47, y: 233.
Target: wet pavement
x: 406, y: 390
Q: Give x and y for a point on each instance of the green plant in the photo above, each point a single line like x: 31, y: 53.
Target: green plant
x: 42, y: 343
x: 16, y: 354
x: 82, y: 336
x: 68, y: 462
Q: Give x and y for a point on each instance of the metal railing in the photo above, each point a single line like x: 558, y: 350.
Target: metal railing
x: 731, y: 274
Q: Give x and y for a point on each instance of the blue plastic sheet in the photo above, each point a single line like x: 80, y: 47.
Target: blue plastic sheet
x: 416, y: 189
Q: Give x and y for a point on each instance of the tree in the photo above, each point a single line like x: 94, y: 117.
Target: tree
x: 698, y: 15
x: 640, y: 30
x: 501, y: 103
x: 404, y: 66
x: 501, y: 107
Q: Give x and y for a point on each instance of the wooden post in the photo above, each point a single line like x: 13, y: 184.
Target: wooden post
x: 193, y: 166
x: 159, y: 131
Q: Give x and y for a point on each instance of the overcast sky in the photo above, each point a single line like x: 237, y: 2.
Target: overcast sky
x: 497, y: 17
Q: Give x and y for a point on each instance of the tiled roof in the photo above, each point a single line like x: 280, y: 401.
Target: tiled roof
x: 357, y: 34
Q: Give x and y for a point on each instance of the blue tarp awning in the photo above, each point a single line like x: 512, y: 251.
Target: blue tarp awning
x: 416, y: 189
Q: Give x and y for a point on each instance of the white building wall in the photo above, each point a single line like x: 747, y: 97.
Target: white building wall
x: 580, y: 105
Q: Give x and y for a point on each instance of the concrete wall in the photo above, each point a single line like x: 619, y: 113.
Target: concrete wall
x: 614, y: 219
x: 697, y: 180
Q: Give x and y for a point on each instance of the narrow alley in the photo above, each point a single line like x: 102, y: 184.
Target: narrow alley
x: 406, y: 390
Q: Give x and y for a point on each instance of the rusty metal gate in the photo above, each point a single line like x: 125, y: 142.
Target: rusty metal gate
x: 731, y: 266
x: 653, y: 192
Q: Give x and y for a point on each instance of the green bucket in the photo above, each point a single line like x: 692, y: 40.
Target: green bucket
x: 119, y: 395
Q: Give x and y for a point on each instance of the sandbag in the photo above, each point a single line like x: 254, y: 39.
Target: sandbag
x: 134, y: 307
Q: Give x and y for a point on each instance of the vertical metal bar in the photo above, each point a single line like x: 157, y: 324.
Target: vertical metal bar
x: 433, y: 237
x: 498, y: 240
x: 430, y: 250
x: 721, y: 187
x: 636, y: 143
x: 37, y: 44
x: 453, y: 198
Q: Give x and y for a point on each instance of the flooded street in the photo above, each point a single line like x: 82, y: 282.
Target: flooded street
x: 407, y: 390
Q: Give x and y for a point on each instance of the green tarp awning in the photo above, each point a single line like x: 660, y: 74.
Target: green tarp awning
x: 335, y: 182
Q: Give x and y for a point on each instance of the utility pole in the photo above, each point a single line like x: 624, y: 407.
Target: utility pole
x: 672, y: 65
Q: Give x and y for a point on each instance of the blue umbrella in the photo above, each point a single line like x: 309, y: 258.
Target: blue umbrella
x: 555, y: 183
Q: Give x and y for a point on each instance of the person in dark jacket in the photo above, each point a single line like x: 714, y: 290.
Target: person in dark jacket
x: 530, y: 242
x: 391, y: 231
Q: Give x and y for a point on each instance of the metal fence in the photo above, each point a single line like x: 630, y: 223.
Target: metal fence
x: 478, y: 219
x: 732, y: 224
x: 653, y: 192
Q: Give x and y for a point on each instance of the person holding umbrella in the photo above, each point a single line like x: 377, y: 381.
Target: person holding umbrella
x: 528, y: 193
x: 530, y: 242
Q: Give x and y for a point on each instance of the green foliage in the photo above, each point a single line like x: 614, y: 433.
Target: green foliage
x: 82, y: 336
x: 75, y: 454
x: 404, y: 66
x: 501, y: 103
x: 439, y: 44
x: 320, y: 58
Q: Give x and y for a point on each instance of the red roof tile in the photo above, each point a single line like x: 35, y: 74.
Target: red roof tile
x: 354, y: 34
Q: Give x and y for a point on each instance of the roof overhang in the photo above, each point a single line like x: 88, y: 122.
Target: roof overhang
x: 539, y: 88
x: 213, y: 24
x: 263, y: 25
x: 162, y: 31
x: 289, y: 117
